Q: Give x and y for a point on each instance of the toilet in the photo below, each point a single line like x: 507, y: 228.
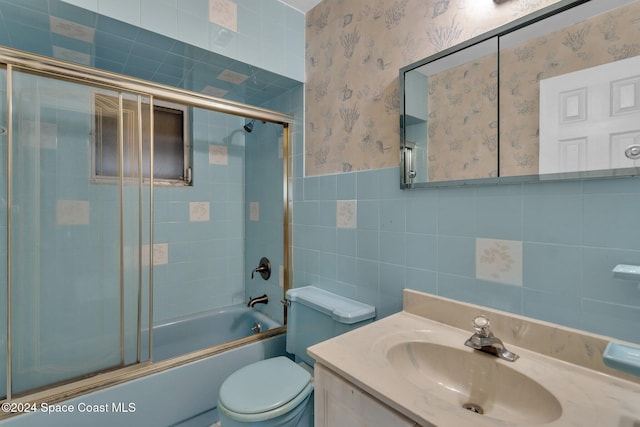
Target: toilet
x: 279, y: 391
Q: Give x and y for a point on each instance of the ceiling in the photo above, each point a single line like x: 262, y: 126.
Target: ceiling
x: 303, y: 6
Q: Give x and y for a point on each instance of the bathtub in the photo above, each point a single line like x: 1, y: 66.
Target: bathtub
x: 184, y: 394
x: 202, y: 330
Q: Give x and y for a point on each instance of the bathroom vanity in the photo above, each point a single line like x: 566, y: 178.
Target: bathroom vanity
x: 339, y: 402
x: 413, y: 368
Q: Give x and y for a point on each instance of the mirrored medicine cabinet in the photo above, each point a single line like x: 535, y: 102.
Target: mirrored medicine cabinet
x: 553, y: 95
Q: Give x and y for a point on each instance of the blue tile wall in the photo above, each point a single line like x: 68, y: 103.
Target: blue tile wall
x: 206, y: 258
x: 264, y: 184
x: 122, y: 10
x: 573, y: 234
x: 264, y: 178
x: 160, y: 41
x: 160, y: 16
x: 270, y: 34
x: 553, y: 212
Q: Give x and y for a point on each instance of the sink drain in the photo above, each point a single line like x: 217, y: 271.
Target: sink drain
x: 473, y: 408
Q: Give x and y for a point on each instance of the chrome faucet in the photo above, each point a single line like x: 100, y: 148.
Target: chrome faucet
x: 484, y: 340
x: 264, y: 299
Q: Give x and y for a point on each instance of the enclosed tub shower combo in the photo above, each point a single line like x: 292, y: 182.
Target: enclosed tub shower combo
x: 122, y: 207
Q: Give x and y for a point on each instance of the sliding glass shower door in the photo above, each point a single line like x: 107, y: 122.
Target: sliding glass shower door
x: 3, y: 229
x: 79, y: 280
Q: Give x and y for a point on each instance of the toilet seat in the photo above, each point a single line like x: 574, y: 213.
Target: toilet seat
x: 264, y: 390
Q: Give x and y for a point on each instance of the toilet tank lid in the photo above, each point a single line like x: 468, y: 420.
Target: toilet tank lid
x: 341, y: 309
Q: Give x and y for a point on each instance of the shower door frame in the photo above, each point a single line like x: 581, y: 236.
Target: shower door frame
x: 14, y: 60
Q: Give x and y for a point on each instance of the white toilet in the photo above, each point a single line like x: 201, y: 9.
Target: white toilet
x: 278, y: 391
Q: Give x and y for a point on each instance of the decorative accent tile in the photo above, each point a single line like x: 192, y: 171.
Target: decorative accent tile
x: 218, y: 155
x: 160, y: 254
x: 198, y: 211
x: 214, y: 91
x: 72, y: 212
x: 499, y: 261
x: 71, y: 55
x: 346, y: 214
x: 71, y: 29
x: 254, y: 211
x: 48, y: 136
x: 232, y: 77
x: 224, y: 13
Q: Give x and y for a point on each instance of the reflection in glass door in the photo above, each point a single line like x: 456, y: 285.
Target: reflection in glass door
x: 3, y: 230
x: 76, y: 242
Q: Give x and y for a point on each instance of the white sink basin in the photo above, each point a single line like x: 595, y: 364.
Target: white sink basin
x: 474, y: 381
x: 419, y: 366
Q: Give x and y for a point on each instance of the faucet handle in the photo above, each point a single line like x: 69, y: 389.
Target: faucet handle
x: 264, y: 268
x: 481, y: 324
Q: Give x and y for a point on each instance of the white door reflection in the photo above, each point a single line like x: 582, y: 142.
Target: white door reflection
x: 590, y: 119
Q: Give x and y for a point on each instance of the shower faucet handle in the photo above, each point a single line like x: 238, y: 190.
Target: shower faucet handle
x: 264, y: 268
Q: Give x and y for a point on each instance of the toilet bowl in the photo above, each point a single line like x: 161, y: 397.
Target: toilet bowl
x: 269, y: 393
x: 279, y: 391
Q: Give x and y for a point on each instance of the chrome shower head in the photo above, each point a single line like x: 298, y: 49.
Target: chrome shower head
x: 249, y: 126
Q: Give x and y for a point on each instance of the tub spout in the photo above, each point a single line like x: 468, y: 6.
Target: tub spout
x: 264, y: 299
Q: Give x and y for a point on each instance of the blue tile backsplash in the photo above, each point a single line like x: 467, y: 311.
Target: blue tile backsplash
x: 573, y: 234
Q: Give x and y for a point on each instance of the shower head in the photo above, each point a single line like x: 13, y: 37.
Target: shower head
x: 249, y: 126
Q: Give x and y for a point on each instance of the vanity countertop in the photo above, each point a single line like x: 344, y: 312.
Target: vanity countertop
x: 587, y: 397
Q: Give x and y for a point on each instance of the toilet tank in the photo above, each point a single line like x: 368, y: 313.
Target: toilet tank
x: 316, y: 315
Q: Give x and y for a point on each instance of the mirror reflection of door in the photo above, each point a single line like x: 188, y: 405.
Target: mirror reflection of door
x: 589, y: 119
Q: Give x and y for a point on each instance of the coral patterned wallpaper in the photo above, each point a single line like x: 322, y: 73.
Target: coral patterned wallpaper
x: 463, y: 121
x: 353, y: 54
